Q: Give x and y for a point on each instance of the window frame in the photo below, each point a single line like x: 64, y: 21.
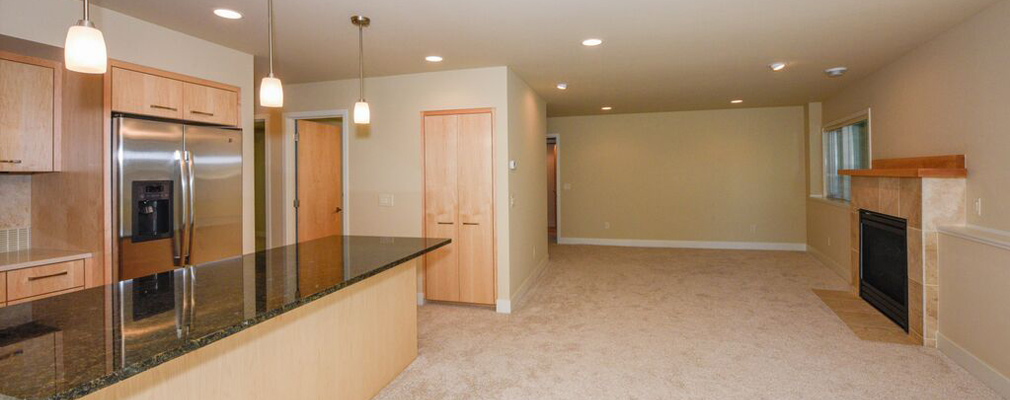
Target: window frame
x: 862, y: 115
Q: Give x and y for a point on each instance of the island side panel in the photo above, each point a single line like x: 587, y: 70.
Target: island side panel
x: 347, y: 345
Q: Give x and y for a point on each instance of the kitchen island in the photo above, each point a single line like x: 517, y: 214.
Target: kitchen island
x: 330, y: 318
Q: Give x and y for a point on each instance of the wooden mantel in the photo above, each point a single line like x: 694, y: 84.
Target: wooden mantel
x: 918, y: 167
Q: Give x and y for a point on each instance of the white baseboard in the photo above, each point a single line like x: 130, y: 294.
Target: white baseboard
x: 842, y: 271
x: 420, y: 298
x: 686, y: 244
x: 503, y: 306
x: 980, y: 369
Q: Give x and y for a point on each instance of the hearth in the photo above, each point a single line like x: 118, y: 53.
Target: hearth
x: 883, y: 272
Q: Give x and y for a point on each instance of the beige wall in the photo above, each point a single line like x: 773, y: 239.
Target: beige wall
x: 828, y: 235
x: 949, y: 96
x: 527, y: 120
x: 975, y: 304
x: 385, y: 157
x: 133, y: 40
x: 704, y: 176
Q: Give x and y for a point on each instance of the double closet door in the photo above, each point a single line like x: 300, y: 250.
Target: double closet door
x: 459, y: 205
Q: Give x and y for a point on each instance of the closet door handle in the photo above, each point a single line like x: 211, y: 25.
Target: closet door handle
x: 155, y: 106
x: 209, y: 114
x: 445, y: 223
x: 471, y: 223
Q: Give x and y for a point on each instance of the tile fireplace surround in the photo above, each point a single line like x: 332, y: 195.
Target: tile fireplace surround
x: 927, y: 192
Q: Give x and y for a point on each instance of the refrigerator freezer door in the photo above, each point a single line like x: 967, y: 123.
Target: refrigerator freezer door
x: 148, y: 159
x: 216, y: 157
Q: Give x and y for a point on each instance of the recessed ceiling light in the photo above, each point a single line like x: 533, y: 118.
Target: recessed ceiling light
x: 592, y: 42
x: 562, y: 86
x: 777, y: 66
x: 607, y: 108
x: 433, y: 59
x: 227, y: 14
x: 738, y: 101
x: 836, y: 71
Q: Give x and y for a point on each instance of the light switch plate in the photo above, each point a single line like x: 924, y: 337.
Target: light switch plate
x: 567, y: 186
x: 385, y: 200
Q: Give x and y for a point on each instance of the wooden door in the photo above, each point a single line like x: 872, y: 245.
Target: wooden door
x: 476, y: 209
x: 139, y: 93
x: 211, y: 105
x: 27, y: 110
x: 440, y: 206
x: 320, y: 180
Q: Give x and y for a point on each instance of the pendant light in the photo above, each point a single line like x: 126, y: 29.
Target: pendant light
x: 84, y: 50
x: 271, y: 90
x: 361, y: 112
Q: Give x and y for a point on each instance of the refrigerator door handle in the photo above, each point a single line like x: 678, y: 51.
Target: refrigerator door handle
x: 184, y: 198
x: 192, y: 206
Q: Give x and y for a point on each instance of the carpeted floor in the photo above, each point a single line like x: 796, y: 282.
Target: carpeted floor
x: 628, y: 323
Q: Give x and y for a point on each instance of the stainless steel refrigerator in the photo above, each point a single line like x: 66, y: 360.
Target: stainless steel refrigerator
x: 178, y: 193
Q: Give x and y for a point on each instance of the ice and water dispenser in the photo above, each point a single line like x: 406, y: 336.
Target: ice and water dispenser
x: 152, y: 210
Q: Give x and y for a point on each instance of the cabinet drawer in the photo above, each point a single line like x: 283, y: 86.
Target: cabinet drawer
x: 27, y: 117
x: 211, y: 105
x: 47, y: 279
x: 139, y: 93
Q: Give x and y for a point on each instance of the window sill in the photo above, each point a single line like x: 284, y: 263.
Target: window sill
x: 831, y: 202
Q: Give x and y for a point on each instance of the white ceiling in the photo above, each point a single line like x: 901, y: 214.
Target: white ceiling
x: 657, y: 55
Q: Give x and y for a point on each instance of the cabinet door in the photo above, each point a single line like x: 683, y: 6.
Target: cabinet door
x: 440, y: 203
x: 139, y: 93
x: 27, y: 121
x: 476, y: 209
x: 211, y: 105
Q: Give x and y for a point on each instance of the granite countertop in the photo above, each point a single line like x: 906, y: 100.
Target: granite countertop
x: 34, y: 257
x: 68, y: 346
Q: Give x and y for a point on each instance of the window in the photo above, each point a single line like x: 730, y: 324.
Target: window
x: 846, y: 146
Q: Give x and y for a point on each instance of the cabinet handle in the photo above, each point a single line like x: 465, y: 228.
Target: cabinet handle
x: 10, y: 161
x: 471, y: 223
x: 445, y: 223
x: 35, y: 278
x: 12, y: 354
x: 202, y: 113
x: 164, y: 107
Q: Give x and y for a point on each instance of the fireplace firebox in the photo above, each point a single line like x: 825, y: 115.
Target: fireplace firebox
x: 883, y: 264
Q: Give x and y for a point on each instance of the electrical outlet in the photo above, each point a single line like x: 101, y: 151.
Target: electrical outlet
x: 978, y: 206
x: 606, y: 225
x: 512, y: 200
x: 534, y: 252
x: 567, y: 186
x: 386, y: 200
x: 753, y: 228
x: 829, y: 241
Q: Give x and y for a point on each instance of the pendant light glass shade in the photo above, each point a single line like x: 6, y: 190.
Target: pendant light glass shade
x: 271, y: 92
x: 84, y: 50
x: 361, y: 113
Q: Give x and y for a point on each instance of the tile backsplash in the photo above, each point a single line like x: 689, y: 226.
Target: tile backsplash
x: 15, y: 239
x: 15, y: 201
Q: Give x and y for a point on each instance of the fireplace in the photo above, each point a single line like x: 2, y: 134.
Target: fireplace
x: 883, y: 264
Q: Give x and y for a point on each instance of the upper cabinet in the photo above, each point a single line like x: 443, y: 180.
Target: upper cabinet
x: 29, y: 113
x: 139, y: 93
x: 148, y: 92
x: 211, y: 105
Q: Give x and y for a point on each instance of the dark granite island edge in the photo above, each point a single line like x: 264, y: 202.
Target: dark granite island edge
x: 358, y: 266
